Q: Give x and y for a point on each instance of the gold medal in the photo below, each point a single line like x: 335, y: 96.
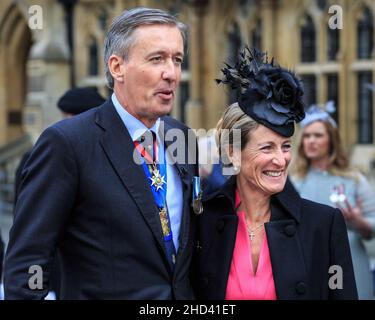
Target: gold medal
x: 164, y: 222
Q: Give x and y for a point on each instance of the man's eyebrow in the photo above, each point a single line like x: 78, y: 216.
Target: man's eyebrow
x: 163, y: 52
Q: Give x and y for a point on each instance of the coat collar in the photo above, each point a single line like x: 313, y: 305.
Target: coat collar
x: 289, y: 199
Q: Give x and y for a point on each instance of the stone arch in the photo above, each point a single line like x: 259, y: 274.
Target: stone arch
x: 15, y: 43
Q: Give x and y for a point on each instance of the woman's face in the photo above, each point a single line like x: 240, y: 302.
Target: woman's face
x: 264, y: 160
x: 315, y: 139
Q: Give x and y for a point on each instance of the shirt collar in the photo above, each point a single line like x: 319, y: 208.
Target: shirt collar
x: 135, y: 127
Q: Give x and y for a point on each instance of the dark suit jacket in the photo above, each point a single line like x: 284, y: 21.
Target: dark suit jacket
x: 82, y: 193
x: 18, y: 174
x: 304, y: 238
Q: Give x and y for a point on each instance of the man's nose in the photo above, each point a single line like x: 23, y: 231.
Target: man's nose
x: 170, y: 71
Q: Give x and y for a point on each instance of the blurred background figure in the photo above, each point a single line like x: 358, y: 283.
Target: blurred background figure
x: 78, y: 100
x: 73, y: 102
x: 210, y: 166
x: 322, y: 173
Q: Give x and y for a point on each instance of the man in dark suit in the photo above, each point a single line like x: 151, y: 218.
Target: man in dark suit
x: 94, y: 190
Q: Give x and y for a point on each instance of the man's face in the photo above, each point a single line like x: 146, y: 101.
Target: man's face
x: 151, y: 73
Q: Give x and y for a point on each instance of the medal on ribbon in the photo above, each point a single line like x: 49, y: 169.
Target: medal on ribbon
x: 156, y: 173
x: 197, y: 196
x: 164, y: 223
x: 157, y: 180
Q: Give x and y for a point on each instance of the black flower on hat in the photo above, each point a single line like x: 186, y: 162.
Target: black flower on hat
x: 271, y: 95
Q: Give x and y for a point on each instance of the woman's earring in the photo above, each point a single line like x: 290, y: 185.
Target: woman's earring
x: 236, y: 168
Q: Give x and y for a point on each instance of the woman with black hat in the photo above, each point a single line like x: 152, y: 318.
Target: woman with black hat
x: 257, y: 238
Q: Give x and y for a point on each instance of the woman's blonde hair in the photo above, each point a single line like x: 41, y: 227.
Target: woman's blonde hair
x: 232, y: 119
x: 338, y: 163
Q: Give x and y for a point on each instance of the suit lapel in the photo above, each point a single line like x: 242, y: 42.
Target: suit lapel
x: 118, y: 146
x: 171, y: 146
x: 183, y: 171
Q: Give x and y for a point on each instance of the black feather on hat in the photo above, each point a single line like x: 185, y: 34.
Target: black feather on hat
x: 269, y: 94
x: 78, y: 100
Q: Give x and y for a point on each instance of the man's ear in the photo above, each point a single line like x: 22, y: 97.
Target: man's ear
x: 116, y: 67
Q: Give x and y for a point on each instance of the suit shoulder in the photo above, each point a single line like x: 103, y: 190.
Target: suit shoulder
x: 77, y: 121
x: 76, y: 126
x: 175, y: 123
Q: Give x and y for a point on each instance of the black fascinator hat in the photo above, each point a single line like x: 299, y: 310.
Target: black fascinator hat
x: 269, y: 94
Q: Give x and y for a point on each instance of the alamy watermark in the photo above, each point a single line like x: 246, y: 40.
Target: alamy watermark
x: 181, y: 147
x: 35, y: 21
x: 337, y: 17
x: 336, y: 280
x: 36, y: 280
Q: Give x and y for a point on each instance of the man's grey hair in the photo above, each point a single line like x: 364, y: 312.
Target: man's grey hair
x: 120, y: 37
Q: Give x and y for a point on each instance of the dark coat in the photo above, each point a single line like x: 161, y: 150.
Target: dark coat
x: 82, y: 193
x: 304, y: 238
x: 18, y: 174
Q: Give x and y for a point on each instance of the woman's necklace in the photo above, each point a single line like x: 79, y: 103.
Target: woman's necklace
x: 252, y: 231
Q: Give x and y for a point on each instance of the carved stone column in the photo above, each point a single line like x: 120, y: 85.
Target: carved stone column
x: 47, y: 70
x: 195, y: 106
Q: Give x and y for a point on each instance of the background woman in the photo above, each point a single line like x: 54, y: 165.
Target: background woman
x: 322, y: 174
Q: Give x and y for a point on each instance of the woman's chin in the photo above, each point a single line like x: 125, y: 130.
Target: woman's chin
x: 274, y: 187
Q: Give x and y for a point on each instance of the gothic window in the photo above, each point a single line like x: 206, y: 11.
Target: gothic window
x: 333, y: 43
x: 185, y: 63
x: 184, y: 93
x: 365, y: 35
x: 102, y: 19
x: 234, y: 42
x: 309, y: 84
x: 333, y: 93
x: 256, y: 35
x: 184, y: 97
x: 308, y: 40
x: 322, y: 4
x: 93, y: 57
x: 365, y: 113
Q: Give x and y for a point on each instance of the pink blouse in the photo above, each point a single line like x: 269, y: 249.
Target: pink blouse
x: 242, y: 283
